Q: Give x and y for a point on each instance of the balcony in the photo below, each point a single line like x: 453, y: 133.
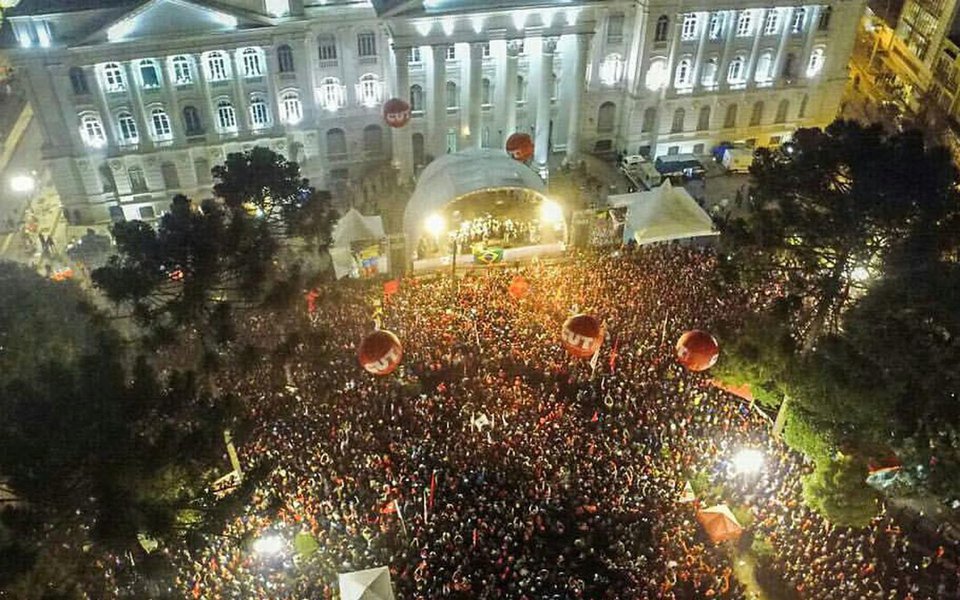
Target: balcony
x: 367, y: 60
x: 328, y: 63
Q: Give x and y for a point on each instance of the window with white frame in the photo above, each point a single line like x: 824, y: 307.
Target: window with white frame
x: 615, y: 28
x: 252, y: 65
x: 226, y: 116
x: 772, y: 22
x: 415, y: 56
x: 91, y: 130
x: 416, y: 99
x: 764, y: 70
x: 453, y: 97
x: 327, y: 47
x: 181, y: 70
x: 715, y: 31
x: 366, y: 44
x: 161, y: 124
x: 684, y: 74
x: 815, y: 64
x: 451, y: 52
x: 799, y: 15
x: 259, y: 113
x: 113, y: 80
x: 149, y: 74
x: 331, y: 94
x: 368, y: 89
x: 657, y: 75
x: 216, y: 66
x: 611, y: 69
x: 290, y: 108
x: 689, y: 28
x: 709, y: 75
x: 744, y: 24
x: 735, y: 70
x: 128, y: 128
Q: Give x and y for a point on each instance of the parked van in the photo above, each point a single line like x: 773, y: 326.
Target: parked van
x: 680, y: 165
x: 640, y: 172
x: 738, y: 160
x: 630, y: 162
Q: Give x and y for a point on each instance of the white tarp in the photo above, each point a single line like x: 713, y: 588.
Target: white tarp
x: 344, y: 263
x: 662, y: 214
x: 354, y: 227
x: 369, y: 584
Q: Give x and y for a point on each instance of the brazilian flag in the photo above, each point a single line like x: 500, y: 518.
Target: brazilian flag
x: 488, y: 256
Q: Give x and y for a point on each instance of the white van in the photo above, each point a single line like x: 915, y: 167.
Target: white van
x: 629, y: 163
x: 738, y: 160
x: 640, y: 172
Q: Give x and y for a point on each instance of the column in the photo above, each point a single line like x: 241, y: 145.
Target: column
x: 542, y: 142
x: 510, y: 89
x: 785, y: 23
x: 698, y: 62
x: 731, y: 30
x: 475, y: 101
x: 752, y: 63
x: 402, y: 138
x: 574, y: 72
x: 813, y: 16
x: 438, y: 103
x: 500, y: 51
x: 273, y: 98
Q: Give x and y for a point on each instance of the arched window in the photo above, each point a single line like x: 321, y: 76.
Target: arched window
x: 757, y: 115
x: 181, y: 70
x: 521, y: 89
x: 91, y: 130
x: 663, y: 23
x: 649, y: 120
x: 331, y: 94
x: 816, y: 62
x: 149, y: 74
x: 250, y: 59
x: 803, y: 107
x: 799, y: 15
x: 373, y: 140
x: 453, y: 99
x: 161, y: 124
x: 605, y: 117
x: 128, y: 128
x: 191, y: 121
x: 764, y: 67
x: 226, y: 116
x: 290, y: 108
x: 416, y: 98
x: 327, y: 47
x: 735, y: 70
x: 689, y: 28
x: 369, y: 89
x: 782, y: 109
x: 684, y: 74
x: 703, y: 120
x: 259, y: 112
x: 285, y: 59
x: 336, y: 143
x: 657, y: 75
x: 486, y: 96
x: 730, y: 120
x: 824, y: 23
x: 709, y: 75
x: 611, y: 69
x: 138, y: 183
x: 216, y: 66
x: 715, y: 29
x: 113, y: 80
x: 678, y: 117
x: 78, y: 81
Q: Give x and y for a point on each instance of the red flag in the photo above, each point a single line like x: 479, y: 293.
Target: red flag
x: 391, y: 287
x: 433, y: 487
x: 518, y: 287
x: 311, y: 297
x: 613, y: 354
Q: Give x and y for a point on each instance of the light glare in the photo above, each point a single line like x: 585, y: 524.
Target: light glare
x: 22, y: 184
x: 551, y: 212
x: 436, y: 224
x: 268, y: 545
x: 747, y: 461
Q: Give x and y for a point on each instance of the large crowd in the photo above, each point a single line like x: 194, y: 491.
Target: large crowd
x: 491, y: 464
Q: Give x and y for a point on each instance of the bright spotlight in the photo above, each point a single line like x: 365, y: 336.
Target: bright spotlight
x: 22, y: 184
x: 551, y: 212
x: 268, y: 545
x: 860, y: 274
x: 436, y: 225
x: 747, y: 461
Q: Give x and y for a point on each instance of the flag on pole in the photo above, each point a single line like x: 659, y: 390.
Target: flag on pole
x: 391, y: 287
x: 433, y: 487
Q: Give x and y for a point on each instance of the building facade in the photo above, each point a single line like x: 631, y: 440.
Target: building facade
x: 138, y: 100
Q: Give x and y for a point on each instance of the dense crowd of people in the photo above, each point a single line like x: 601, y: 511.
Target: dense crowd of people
x: 494, y: 465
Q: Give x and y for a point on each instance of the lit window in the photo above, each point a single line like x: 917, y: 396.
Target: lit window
x: 684, y: 74
x: 113, y: 78
x: 366, y: 44
x: 799, y: 14
x: 369, y: 89
x: 657, y: 75
x: 291, y: 110
x: 772, y: 22
x: 735, y: 70
x: 611, y: 70
x: 91, y: 130
x: 816, y: 62
x: 216, y: 65
x: 744, y: 24
x: 226, y: 116
x: 689, y: 30
x: 128, y: 128
x: 259, y: 114
x: 181, y: 70
x: 716, y: 26
x: 250, y: 58
x: 331, y: 94
x: 161, y: 124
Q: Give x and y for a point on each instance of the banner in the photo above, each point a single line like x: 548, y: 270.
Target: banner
x: 488, y: 256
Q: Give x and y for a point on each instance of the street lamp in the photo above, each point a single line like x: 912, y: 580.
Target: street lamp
x: 22, y: 184
x: 747, y: 461
x: 436, y: 225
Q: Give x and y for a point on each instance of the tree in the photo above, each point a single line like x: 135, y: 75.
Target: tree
x: 836, y: 490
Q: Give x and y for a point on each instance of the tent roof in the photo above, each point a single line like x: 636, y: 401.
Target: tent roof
x: 720, y: 524
x: 354, y: 227
x: 662, y: 214
x: 369, y: 584
x: 454, y: 175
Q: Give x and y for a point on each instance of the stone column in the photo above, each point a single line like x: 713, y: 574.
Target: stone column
x: 813, y: 17
x: 754, y: 50
x: 438, y: 102
x: 510, y: 89
x: 402, y: 138
x: 574, y: 71
x: 698, y: 62
x: 542, y: 142
x: 785, y: 23
x: 731, y: 31
x: 475, y: 101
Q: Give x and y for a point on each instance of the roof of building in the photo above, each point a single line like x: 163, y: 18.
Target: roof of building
x: 45, y: 7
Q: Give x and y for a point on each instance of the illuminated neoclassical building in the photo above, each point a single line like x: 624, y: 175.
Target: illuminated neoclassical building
x: 138, y: 99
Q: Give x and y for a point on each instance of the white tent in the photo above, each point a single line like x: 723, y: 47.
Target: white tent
x: 354, y: 227
x: 369, y: 584
x: 662, y: 214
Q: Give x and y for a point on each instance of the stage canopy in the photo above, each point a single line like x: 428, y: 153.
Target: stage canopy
x: 354, y: 227
x: 370, y: 584
x: 662, y: 214
x: 719, y: 523
x: 453, y: 176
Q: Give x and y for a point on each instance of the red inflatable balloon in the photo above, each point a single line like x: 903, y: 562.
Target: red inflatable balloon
x: 582, y: 335
x: 520, y: 146
x: 380, y: 352
x: 396, y: 112
x: 697, y: 350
